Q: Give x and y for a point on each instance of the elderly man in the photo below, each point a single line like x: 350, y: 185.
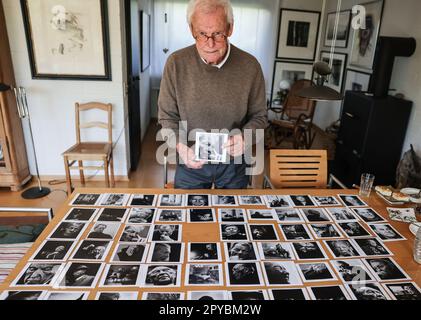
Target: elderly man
x: 212, y: 85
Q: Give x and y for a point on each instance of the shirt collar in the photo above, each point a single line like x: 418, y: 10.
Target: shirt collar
x: 220, y: 65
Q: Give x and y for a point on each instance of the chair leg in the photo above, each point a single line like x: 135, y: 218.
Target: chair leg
x: 112, y: 171
x: 68, y: 176
x: 107, y: 177
x: 82, y: 175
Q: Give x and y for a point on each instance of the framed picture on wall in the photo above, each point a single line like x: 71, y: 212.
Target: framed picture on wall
x: 336, y: 79
x: 365, y: 40
x: 298, y: 33
x: 145, y: 41
x: 343, y: 29
x: 357, y: 81
x: 285, y: 74
x: 67, y: 39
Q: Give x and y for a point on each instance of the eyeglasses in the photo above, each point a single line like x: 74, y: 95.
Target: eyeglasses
x: 217, y: 37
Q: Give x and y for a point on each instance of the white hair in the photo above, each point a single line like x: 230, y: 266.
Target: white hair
x: 210, y: 5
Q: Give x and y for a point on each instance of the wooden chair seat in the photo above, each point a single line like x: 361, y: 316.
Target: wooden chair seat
x: 83, y: 150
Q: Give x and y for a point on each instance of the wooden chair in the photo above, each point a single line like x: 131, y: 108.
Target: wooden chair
x: 90, y: 151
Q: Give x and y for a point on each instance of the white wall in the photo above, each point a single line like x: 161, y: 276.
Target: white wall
x: 51, y: 102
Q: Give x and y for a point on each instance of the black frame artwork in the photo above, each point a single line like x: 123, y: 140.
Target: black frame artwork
x: 57, y: 75
x: 339, y: 43
x: 344, y: 58
x: 145, y: 40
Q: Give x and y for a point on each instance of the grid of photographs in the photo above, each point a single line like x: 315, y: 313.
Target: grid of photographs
x: 270, y: 247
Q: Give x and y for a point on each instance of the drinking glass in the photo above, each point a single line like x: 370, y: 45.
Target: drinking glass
x: 367, y: 181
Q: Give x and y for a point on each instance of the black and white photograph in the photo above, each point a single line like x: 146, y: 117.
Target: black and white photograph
x: 163, y: 296
x: 143, y: 200
x: 251, y: 200
x: 402, y: 214
x: 263, y: 232
x: 386, y: 269
x: 204, y: 252
x: 92, y: 250
x: 257, y: 295
x: 129, y: 252
x: 112, y: 214
x: 261, y: 214
x: 135, y: 233
x: 309, y: 250
x: 53, y: 250
x: 352, y: 201
x: 342, y: 214
x: 293, y: 232
x: 281, y: 273
x: 162, y: 252
x: 286, y: 215
x: 273, y: 201
x: 233, y: 231
x: 210, y: 147
x: 116, y: 296
x: 231, y: 215
x: 198, y: 200
x: 241, y: 251
x: 316, y: 272
x: 341, y: 37
x: 404, y: 291
x: 68, y: 230
x: 276, y: 251
x: 141, y: 215
x: 299, y: 36
x: 302, y: 201
x: 167, y: 275
x: 171, y: 215
x: 104, y: 230
x: 316, y: 215
x: 79, y: 275
x: 353, y: 271
x: 38, y: 274
x: 372, y: 247
x: 83, y: 199
x: 24, y: 295
x: 201, y: 215
x: 354, y: 229
x: 243, y: 274
x: 357, y: 81
x: 207, y: 295
x: 336, y: 80
x: 166, y: 233
x: 342, y: 248
x: 121, y: 275
x: 295, y: 294
x: 114, y: 200
x: 367, y: 292
x: 224, y: 200
x: 80, y: 214
x: 386, y: 232
x: 368, y: 215
x: 204, y: 275
x: 171, y: 200
x: 66, y: 296
x: 325, y: 231
x: 328, y: 293
x: 327, y: 201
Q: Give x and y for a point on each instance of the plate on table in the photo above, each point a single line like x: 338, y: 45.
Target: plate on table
x: 410, y: 191
x: 390, y: 200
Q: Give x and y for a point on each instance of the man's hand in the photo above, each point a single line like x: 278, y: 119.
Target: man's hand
x: 235, y: 146
x: 188, y: 156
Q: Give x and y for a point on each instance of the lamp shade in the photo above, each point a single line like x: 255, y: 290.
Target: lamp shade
x: 4, y: 87
x: 320, y: 93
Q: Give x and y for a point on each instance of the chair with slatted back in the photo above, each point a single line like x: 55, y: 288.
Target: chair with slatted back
x: 90, y: 151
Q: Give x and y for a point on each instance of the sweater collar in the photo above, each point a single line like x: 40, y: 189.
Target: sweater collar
x: 221, y: 64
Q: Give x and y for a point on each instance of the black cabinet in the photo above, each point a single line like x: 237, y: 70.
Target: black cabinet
x: 371, y: 138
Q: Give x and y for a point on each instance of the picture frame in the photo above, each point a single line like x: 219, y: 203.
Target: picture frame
x: 365, y: 40
x: 291, y: 72
x: 357, y: 81
x: 68, y: 40
x: 336, y: 79
x: 298, y: 34
x: 342, y: 38
x: 145, y: 40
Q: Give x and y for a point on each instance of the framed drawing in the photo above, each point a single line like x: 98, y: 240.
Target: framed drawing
x: 145, y: 41
x: 365, y: 40
x: 343, y: 29
x: 357, y: 81
x: 67, y: 39
x: 336, y: 79
x: 298, y: 33
x: 288, y: 73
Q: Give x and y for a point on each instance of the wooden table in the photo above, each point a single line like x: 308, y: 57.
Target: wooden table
x: 403, y: 250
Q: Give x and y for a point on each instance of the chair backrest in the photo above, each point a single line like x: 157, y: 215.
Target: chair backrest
x: 298, y: 168
x: 295, y: 106
x: 97, y: 124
